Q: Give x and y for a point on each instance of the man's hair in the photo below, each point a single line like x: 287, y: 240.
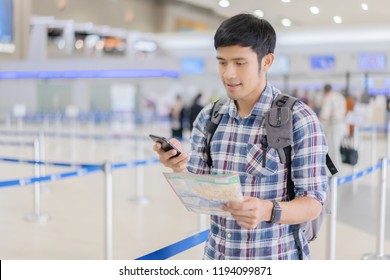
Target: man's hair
x: 246, y: 30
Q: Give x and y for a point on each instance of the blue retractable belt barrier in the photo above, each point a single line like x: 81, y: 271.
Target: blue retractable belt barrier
x: 360, y: 174
x: 177, y: 247
x: 60, y: 164
x: 135, y: 163
x: 53, y: 177
x: 85, y: 169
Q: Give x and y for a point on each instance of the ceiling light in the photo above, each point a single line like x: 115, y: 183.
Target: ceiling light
x: 145, y: 45
x: 286, y: 22
x: 79, y: 44
x: 224, y: 3
x: 258, y: 13
x: 314, y: 10
x: 337, y: 19
x: 99, y: 45
x: 286, y: 1
x: 364, y: 6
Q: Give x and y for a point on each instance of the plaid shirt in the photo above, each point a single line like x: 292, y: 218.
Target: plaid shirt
x: 236, y: 148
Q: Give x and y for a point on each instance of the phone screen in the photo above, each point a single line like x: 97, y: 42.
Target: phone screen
x: 165, y: 144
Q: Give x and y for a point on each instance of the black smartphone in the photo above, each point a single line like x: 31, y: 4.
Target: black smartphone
x: 165, y: 144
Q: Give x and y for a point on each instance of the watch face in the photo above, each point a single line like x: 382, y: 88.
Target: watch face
x: 276, y: 212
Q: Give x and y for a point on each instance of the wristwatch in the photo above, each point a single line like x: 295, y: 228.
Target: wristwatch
x: 276, y: 213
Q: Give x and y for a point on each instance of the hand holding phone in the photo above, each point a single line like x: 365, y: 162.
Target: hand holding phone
x: 165, y: 144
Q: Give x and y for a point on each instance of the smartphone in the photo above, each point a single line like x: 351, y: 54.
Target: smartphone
x: 165, y: 144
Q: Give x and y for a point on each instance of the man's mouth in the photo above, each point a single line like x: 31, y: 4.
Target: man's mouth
x: 233, y: 85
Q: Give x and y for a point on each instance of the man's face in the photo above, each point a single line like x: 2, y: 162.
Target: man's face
x: 240, y: 72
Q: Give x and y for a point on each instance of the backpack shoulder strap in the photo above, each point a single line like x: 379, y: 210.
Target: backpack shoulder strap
x: 212, y: 125
x: 329, y: 163
x: 279, y: 124
x: 283, y: 100
x: 287, y: 101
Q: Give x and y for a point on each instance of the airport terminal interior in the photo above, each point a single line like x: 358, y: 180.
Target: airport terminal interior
x: 84, y: 82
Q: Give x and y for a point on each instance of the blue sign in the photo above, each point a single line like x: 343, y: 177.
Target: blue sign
x: 323, y: 62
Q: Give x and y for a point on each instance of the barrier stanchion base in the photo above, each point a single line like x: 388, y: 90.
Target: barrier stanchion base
x: 33, y: 217
x: 141, y: 200
x: 375, y: 257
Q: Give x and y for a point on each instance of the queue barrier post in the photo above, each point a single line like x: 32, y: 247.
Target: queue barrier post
x: 37, y: 215
x: 356, y: 143
x: 388, y: 139
x: 139, y: 177
x: 108, y: 210
x: 380, y: 242
x: 42, y: 157
x: 203, y: 222
x: 333, y: 220
x: 373, y: 145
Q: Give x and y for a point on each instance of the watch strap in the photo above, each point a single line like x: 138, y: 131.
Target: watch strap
x: 276, y: 212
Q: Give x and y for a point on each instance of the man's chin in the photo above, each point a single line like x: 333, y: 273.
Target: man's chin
x: 232, y: 94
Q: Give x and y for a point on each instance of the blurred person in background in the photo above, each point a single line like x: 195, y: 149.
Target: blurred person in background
x: 195, y: 109
x: 177, y: 118
x: 350, y: 103
x: 333, y: 116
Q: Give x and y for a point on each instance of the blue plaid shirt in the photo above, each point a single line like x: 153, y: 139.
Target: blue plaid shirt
x: 236, y: 148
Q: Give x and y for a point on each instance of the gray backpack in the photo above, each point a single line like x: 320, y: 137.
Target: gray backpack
x: 279, y: 135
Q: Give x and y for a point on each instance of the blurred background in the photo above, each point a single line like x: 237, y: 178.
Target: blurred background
x: 318, y: 41
x: 92, y: 78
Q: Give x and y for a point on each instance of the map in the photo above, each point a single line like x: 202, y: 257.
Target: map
x: 205, y: 193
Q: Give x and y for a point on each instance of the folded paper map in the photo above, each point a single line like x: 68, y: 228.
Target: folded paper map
x: 205, y: 193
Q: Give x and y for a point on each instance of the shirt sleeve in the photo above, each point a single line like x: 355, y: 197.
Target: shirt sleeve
x: 309, y: 154
x: 198, y: 158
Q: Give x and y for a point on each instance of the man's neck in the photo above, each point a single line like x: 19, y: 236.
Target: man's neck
x: 244, y: 107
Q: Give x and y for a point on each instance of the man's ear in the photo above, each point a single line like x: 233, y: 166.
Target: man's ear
x: 267, y: 61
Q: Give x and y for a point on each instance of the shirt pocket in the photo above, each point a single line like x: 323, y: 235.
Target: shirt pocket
x: 255, y: 155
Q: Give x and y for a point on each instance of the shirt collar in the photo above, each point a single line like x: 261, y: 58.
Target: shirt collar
x: 262, y: 105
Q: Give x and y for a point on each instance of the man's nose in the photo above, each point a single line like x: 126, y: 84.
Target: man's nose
x: 230, y: 72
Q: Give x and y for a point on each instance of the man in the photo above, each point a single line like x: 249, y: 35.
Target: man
x: 332, y: 116
x: 245, y: 51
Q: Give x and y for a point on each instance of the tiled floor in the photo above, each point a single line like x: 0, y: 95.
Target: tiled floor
x: 76, y: 206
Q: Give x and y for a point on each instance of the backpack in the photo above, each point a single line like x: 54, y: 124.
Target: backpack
x: 279, y: 135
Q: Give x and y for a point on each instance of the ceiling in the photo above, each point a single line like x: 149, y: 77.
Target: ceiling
x: 298, y: 11
x: 360, y: 29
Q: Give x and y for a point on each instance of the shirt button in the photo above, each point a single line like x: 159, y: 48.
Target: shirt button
x: 229, y: 235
